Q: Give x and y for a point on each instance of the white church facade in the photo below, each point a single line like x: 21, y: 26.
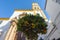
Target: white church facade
x: 10, y: 32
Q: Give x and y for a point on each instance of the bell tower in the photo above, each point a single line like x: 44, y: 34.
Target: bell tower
x: 35, y: 6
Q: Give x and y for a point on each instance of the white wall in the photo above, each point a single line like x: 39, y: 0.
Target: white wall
x: 52, y: 8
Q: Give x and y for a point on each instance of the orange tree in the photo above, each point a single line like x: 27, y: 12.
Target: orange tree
x: 31, y: 25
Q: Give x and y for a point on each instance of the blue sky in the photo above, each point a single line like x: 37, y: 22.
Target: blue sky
x: 7, y: 7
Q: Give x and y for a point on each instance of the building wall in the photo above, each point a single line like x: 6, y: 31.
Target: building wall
x: 18, y: 13
x: 53, y: 8
x: 56, y: 34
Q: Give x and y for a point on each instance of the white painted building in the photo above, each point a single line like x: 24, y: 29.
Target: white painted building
x: 9, y: 30
x: 53, y: 9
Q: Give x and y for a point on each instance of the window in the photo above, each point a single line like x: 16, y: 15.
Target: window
x: 58, y: 1
x: 0, y: 21
x: 34, y: 7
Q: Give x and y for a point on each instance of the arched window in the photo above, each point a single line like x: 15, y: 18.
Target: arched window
x: 1, y: 21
